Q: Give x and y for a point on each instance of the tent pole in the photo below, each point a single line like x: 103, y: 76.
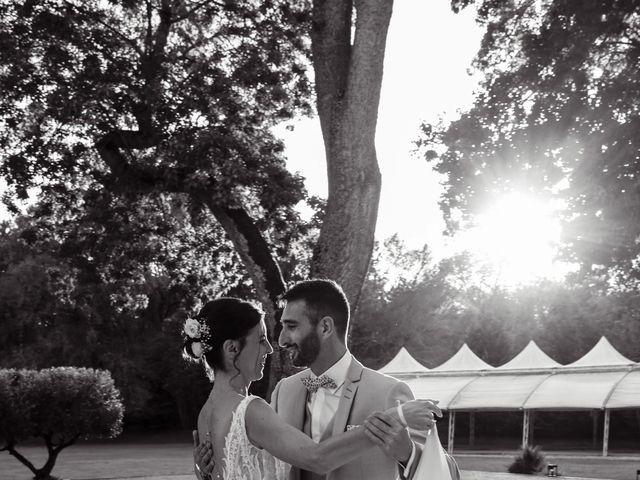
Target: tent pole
x: 532, y: 421
x: 594, y: 433
x: 452, y: 428
x: 605, y: 435
x: 525, y: 429
x: 472, y: 429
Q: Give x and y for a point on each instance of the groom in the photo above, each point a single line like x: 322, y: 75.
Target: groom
x: 337, y: 392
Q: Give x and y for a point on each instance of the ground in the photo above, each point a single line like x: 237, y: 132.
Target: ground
x: 168, y: 457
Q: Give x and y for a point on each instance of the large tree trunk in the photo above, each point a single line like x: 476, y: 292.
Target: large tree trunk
x: 348, y: 79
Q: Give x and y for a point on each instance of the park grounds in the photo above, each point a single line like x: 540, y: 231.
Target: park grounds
x: 167, y: 456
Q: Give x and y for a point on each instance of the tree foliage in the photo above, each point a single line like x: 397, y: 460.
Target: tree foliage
x: 556, y: 116
x: 178, y: 97
x: 409, y: 300
x: 108, y: 286
x: 59, y: 405
x: 163, y: 99
x: 433, y: 307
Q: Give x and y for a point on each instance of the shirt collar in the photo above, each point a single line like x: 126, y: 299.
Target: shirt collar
x: 338, y: 371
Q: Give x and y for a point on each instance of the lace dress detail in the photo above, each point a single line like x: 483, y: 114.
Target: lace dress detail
x: 242, y: 460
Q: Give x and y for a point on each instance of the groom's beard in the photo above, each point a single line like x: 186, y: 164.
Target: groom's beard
x: 307, y: 351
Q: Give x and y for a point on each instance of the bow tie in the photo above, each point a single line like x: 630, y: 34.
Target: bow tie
x: 323, y: 381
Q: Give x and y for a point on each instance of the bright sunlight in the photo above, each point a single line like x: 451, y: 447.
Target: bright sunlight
x: 516, y: 237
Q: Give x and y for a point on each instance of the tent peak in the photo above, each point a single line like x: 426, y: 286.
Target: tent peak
x: 602, y: 354
x: 464, y: 359
x: 530, y: 357
x: 403, y: 362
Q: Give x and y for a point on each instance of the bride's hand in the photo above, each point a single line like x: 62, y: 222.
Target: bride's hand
x: 418, y: 414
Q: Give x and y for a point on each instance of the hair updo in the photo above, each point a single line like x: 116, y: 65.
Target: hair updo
x: 225, y: 318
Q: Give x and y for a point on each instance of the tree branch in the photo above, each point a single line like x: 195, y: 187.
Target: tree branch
x: 126, y: 39
x: 63, y: 444
x: 331, y: 51
x: 366, y: 68
x: 196, y: 8
x: 22, y: 459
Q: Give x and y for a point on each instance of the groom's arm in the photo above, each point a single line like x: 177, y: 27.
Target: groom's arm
x: 202, y: 457
x: 274, y: 396
x: 402, y: 392
x: 407, y: 467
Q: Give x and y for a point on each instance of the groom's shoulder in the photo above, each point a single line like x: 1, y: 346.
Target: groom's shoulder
x: 379, y: 379
x: 296, y: 376
x: 291, y: 379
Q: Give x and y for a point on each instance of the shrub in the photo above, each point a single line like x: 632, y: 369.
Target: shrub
x: 529, y: 460
x: 59, y: 405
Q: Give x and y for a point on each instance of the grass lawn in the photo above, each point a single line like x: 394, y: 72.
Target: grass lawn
x: 127, y: 456
x: 170, y: 454
x: 615, y: 468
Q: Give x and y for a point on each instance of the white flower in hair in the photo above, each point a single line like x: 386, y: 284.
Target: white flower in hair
x: 196, y: 348
x: 192, y: 328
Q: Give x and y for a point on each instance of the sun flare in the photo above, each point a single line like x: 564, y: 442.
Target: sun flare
x: 517, y: 237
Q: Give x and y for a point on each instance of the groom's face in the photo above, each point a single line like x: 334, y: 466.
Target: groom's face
x: 299, y: 334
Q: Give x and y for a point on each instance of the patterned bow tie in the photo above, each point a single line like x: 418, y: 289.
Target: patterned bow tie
x: 323, y: 381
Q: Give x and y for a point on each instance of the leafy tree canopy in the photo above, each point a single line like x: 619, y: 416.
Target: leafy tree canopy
x: 59, y: 405
x: 174, y: 96
x: 556, y: 116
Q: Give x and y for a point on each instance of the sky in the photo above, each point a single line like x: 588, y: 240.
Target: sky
x: 428, y: 56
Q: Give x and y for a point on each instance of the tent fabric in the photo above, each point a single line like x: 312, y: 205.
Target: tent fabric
x: 602, y: 378
x: 575, y: 391
x: 626, y: 394
x: 530, y: 357
x: 497, y: 392
x: 602, y: 354
x: 441, y: 388
x: 403, y: 363
x: 464, y: 359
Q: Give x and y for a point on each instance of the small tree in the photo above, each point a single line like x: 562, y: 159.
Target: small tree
x: 530, y: 460
x: 58, y: 404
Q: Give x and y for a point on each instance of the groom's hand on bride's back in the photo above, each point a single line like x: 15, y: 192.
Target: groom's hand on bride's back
x: 202, y: 457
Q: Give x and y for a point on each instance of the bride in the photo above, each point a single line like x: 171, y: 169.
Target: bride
x: 250, y: 441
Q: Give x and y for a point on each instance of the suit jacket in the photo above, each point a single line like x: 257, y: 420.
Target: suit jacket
x: 365, y: 391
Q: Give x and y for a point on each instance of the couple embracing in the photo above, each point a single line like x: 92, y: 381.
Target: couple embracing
x: 335, y: 420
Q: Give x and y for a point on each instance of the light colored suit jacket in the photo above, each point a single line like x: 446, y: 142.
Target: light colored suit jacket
x: 365, y: 391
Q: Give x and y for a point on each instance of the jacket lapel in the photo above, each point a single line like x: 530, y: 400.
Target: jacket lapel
x: 348, y: 394
x: 298, y: 395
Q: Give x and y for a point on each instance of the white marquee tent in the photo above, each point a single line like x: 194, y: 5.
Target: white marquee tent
x: 402, y: 364
x: 602, y: 379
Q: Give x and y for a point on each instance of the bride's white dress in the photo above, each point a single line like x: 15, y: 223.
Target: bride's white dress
x: 242, y: 460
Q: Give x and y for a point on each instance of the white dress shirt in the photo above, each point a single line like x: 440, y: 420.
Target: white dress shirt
x: 323, y: 404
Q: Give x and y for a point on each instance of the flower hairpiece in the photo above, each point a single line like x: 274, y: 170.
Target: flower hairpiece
x: 192, y: 328
x: 198, y: 332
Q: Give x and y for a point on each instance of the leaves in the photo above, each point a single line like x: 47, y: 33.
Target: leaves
x: 204, y: 87
x: 554, y: 116
x: 60, y: 405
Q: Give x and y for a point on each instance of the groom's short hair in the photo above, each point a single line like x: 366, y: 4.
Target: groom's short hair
x: 324, y: 298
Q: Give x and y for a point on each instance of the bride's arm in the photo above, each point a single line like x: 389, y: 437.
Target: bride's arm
x: 267, y: 430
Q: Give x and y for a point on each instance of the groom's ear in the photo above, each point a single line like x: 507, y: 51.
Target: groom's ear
x: 327, y: 326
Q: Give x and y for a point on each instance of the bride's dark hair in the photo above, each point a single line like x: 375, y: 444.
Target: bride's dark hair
x: 226, y: 318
